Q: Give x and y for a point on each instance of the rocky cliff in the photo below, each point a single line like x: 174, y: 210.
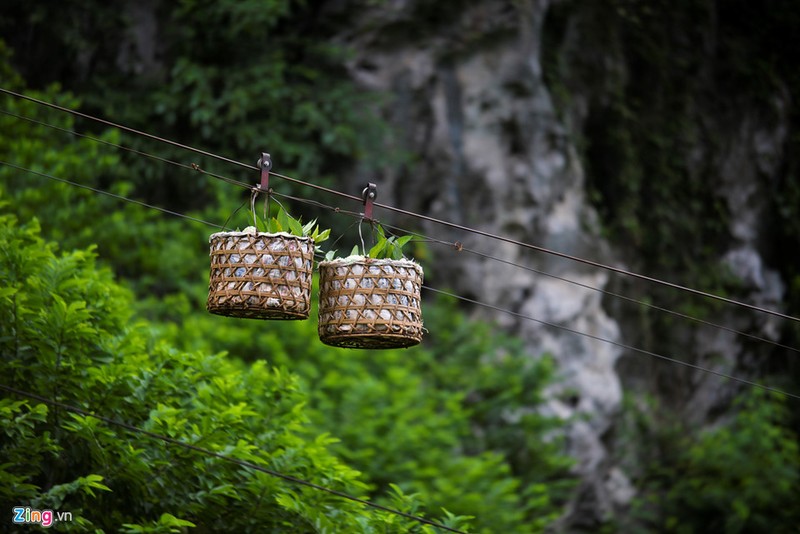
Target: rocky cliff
x: 473, y: 97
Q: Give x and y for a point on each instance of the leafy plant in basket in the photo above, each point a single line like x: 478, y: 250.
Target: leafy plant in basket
x: 371, y: 300
x: 285, y: 223
x: 264, y: 275
x: 385, y: 248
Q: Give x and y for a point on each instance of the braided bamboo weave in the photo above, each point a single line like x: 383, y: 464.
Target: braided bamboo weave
x: 370, y: 304
x: 260, y: 276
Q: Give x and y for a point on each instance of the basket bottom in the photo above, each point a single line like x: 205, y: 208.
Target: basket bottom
x: 243, y: 312
x: 370, y: 341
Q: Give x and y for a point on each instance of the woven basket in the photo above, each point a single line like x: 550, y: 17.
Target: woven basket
x: 370, y: 304
x: 260, y: 276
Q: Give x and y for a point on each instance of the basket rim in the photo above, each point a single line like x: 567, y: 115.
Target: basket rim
x: 355, y: 260
x: 259, y: 234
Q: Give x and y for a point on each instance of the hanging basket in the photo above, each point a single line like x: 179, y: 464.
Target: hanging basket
x: 260, y: 276
x: 370, y: 304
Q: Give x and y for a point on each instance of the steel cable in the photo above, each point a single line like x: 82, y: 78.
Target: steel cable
x: 419, y: 216
x: 466, y: 299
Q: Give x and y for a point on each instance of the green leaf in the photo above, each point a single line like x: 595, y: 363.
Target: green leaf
x: 94, y: 481
x: 401, y: 241
x: 308, y: 228
x: 295, y: 227
x: 377, y: 250
x: 273, y: 226
x: 169, y: 520
x: 323, y: 236
x: 7, y: 291
x: 283, y: 219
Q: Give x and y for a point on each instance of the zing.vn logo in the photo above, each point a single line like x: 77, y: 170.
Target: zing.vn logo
x: 45, y: 518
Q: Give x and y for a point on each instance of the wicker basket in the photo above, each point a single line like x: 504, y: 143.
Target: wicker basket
x: 260, y: 276
x: 370, y: 304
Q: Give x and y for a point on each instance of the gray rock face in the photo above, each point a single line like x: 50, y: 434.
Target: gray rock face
x: 751, y: 162
x: 470, y: 102
x: 494, y: 155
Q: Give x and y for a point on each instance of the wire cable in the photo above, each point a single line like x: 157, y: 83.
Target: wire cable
x: 458, y: 246
x: 461, y: 248
x: 237, y: 461
x: 419, y: 216
x: 589, y: 262
x: 124, y: 128
x: 108, y: 193
x: 616, y: 343
x: 477, y: 303
x: 192, y: 166
x: 570, y: 330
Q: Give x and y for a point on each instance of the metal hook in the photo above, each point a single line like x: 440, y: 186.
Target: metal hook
x: 368, y: 195
x: 265, y: 164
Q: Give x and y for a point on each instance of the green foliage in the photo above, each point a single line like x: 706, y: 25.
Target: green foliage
x: 442, y: 439
x: 401, y: 419
x: 656, y: 136
x: 65, y: 334
x: 741, y: 476
x: 450, y: 429
x: 502, y: 386
x: 234, y: 76
x: 141, y: 243
x: 390, y: 247
x: 453, y: 422
x: 658, y: 122
x: 651, y: 194
x: 283, y: 222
